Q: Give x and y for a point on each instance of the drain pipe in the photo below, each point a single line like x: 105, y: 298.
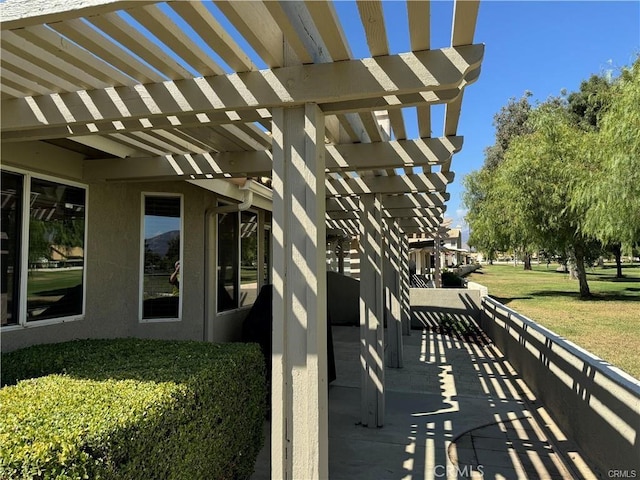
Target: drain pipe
x: 246, y: 203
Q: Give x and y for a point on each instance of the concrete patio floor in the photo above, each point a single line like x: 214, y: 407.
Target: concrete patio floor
x: 456, y: 410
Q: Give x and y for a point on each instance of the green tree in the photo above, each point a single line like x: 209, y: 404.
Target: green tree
x: 588, y: 105
x: 485, y: 216
x: 610, y: 197
x: 491, y: 225
x: 537, y: 180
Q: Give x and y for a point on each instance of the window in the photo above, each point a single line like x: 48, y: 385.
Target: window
x: 248, y: 258
x: 161, y: 257
x: 237, y: 259
x: 227, y: 261
x: 42, y: 277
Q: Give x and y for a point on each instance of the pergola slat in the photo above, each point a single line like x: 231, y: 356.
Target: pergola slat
x: 166, y: 30
x: 414, y: 72
x: 26, y: 69
x: 81, y: 33
x: 60, y: 48
x: 51, y: 63
x: 22, y: 86
x: 121, y: 31
x: 139, y: 124
x: 373, y: 22
x: 348, y: 157
x: 256, y: 25
x: 327, y: 23
x: 415, y: 183
x: 291, y: 31
x: 210, y: 30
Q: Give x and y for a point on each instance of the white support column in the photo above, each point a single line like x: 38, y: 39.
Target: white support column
x: 299, y: 412
x: 419, y: 262
x: 371, y: 312
x: 391, y: 275
x: 405, y: 306
x: 437, y: 275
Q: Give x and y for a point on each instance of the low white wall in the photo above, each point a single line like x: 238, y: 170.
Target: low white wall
x: 595, y: 404
x: 466, y: 269
x: 484, y: 291
x: 430, y: 305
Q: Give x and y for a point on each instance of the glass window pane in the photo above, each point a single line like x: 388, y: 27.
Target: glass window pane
x: 56, y: 250
x: 248, y: 258
x: 162, y: 237
x: 12, y: 188
x: 227, y: 261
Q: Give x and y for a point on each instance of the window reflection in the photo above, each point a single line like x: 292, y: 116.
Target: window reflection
x: 248, y: 258
x: 162, y: 266
x: 227, y: 261
x: 10, y: 240
x: 56, y: 250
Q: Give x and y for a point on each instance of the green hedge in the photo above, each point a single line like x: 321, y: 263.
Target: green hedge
x: 451, y: 280
x: 131, y: 409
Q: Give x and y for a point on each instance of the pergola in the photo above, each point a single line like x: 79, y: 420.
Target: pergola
x: 192, y: 90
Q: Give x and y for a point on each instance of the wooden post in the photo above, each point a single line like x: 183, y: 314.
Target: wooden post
x: 391, y: 275
x: 299, y: 426
x: 405, y: 283
x: 371, y: 311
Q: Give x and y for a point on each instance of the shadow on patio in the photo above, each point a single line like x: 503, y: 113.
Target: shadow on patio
x: 456, y: 410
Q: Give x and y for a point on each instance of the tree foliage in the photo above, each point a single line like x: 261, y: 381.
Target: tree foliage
x: 563, y: 176
x: 491, y: 224
x: 537, y: 180
x: 510, y: 122
x: 611, y: 197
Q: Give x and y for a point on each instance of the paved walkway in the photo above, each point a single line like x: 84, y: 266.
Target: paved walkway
x: 456, y: 410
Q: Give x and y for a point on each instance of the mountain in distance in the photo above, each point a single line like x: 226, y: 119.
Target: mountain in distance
x: 160, y: 243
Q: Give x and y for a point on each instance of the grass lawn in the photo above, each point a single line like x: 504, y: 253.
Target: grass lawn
x: 607, y: 325
x: 41, y: 282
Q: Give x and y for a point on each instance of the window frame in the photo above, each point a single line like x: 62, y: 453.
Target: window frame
x: 25, y: 216
x: 141, y: 319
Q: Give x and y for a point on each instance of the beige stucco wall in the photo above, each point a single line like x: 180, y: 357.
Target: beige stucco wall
x: 113, y: 260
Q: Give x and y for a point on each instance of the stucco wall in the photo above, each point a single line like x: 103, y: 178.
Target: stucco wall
x: 112, y: 259
x: 594, y: 403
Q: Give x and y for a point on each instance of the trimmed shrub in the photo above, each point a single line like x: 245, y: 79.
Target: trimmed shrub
x: 132, y: 409
x: 451, y: 280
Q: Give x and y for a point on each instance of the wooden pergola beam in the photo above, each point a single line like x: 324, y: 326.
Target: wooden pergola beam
x: 347, y: 157
x: 380, y: 77
x: 414, y: 183
x: 389, y: 214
